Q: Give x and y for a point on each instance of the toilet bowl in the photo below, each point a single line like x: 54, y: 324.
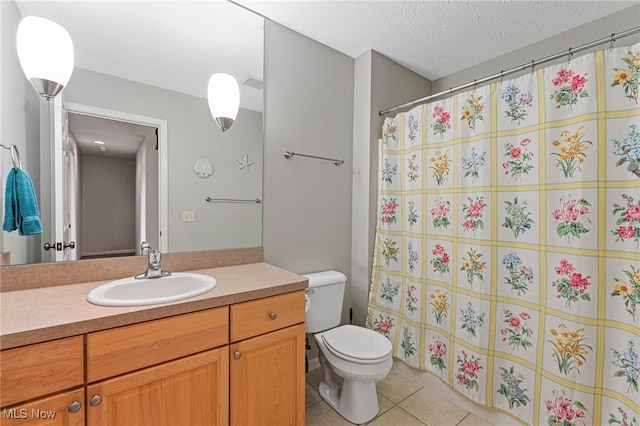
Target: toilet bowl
x: 352, y: 358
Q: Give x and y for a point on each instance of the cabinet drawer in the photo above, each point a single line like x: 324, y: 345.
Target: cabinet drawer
x: 40, y: 369
x: 129, y: 348
x: 261, y: 316
x: 61, y: 409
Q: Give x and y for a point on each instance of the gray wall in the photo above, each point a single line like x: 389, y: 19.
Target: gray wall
x: 379, y: 83
x: 108, y: 204
x: 308, y: 109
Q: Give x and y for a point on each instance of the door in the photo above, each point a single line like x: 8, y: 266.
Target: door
x: 55, y: 209
x: 267, y: 379
x: 62, y: 178
x: 189, y: 391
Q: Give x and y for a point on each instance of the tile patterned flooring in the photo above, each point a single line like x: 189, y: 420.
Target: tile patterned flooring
x: 403, y: 402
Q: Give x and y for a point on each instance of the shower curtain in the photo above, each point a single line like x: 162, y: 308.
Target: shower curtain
x: 507, y: 251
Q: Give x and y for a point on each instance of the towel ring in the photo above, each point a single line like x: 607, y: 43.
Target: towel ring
x: 15, y: 155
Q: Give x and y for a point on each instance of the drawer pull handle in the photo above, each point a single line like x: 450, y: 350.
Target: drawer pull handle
x: 74, y: 407
x: 273, y: 315
x: 237, y: 354
x: 95, y: 400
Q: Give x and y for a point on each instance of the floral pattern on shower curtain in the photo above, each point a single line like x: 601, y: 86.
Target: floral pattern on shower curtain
x: 507, y: 252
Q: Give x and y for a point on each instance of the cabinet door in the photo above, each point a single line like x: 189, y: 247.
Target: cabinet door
x: 267, y: 379
x: 188, y: 391
x: 63, y: 409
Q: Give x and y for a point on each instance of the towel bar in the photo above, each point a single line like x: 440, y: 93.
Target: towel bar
x: 289, y: 154
x: 232, y: 200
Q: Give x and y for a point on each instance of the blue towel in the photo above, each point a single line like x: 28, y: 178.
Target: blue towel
x: 21, y: 205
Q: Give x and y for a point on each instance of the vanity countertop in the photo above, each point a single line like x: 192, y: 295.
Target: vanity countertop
x: 42, y: 314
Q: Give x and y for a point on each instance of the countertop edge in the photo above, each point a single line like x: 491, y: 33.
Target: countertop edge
x: 290, y: 282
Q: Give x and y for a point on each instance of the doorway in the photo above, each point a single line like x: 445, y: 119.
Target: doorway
x: 119, y: 180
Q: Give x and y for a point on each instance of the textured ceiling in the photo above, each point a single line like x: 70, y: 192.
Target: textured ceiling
x: 434, y: 38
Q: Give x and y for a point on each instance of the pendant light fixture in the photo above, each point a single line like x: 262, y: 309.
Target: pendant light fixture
x: 224, y: 99
x: 45, y: 51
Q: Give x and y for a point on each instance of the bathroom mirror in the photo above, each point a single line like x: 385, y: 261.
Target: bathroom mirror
x: 153, y: 59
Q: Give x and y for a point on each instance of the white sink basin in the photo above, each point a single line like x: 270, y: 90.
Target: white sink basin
x: 133, y: 292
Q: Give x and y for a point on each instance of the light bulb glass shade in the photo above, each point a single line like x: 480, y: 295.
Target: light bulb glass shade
x: 45, y: 51
x: 224, y: 99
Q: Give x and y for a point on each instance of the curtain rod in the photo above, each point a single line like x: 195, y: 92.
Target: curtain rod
x: 611, y: 39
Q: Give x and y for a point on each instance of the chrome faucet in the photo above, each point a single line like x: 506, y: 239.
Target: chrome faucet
x: 145, y: 248
x: 153, y: 270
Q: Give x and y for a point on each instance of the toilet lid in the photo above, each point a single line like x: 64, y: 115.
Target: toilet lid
x: 357, y: 343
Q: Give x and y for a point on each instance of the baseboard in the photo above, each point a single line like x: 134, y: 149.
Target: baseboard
x: 109, y: 253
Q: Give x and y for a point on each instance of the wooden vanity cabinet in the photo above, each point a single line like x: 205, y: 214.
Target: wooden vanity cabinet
x: 188, y: 391
x: 61, y: 409
x: 43, y: 383
x: 241, y: 365
x: 160, y: 373
x: 267, y: 361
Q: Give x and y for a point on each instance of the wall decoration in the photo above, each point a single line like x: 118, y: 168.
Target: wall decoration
x: 203, y: 168
x: 245, y: 164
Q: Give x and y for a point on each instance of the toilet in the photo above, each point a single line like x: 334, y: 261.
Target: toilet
x: 352, y: 358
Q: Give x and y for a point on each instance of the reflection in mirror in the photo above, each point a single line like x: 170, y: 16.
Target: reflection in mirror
x: 118, y: 187
x: 149, y: 59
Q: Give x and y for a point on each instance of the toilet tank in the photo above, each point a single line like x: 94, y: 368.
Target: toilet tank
x: 325, y: 293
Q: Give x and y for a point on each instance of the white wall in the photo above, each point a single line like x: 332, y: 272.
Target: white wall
x: 308, y: 109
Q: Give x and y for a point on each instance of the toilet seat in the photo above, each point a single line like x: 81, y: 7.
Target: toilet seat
x: 357, y: 344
